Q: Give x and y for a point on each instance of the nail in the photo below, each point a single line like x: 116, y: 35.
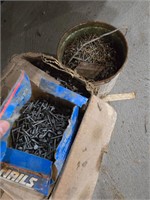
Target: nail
x: 36, y: 147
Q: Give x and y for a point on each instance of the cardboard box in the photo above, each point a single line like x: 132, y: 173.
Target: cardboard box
x: 27, y: 169
x: 80, y: 173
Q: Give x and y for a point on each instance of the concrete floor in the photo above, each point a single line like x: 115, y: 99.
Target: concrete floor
x: 38, y: 26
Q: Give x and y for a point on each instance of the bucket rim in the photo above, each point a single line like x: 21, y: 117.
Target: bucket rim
x: 107, y: 26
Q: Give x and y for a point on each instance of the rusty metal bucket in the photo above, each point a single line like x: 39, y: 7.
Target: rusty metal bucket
x: 104, y: 86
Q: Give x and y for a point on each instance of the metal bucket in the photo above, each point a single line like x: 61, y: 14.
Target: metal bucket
x: 103, y: 87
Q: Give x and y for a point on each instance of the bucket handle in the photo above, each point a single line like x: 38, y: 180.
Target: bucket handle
x: 126, y: 30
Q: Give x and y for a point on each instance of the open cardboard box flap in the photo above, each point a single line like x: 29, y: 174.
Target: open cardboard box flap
x: 37, y: 64
x: 80, y: 173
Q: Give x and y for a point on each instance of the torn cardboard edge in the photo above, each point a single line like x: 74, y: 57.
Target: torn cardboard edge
x: 53, y: 63
x: 48, y: 67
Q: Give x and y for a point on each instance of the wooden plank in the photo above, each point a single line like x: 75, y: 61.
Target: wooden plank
x: 119, y: 97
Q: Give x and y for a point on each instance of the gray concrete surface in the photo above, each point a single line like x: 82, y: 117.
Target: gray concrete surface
x: 38, y: 26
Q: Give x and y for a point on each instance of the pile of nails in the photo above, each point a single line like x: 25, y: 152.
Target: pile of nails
x: 102, y: 52
x: 40, y: 128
